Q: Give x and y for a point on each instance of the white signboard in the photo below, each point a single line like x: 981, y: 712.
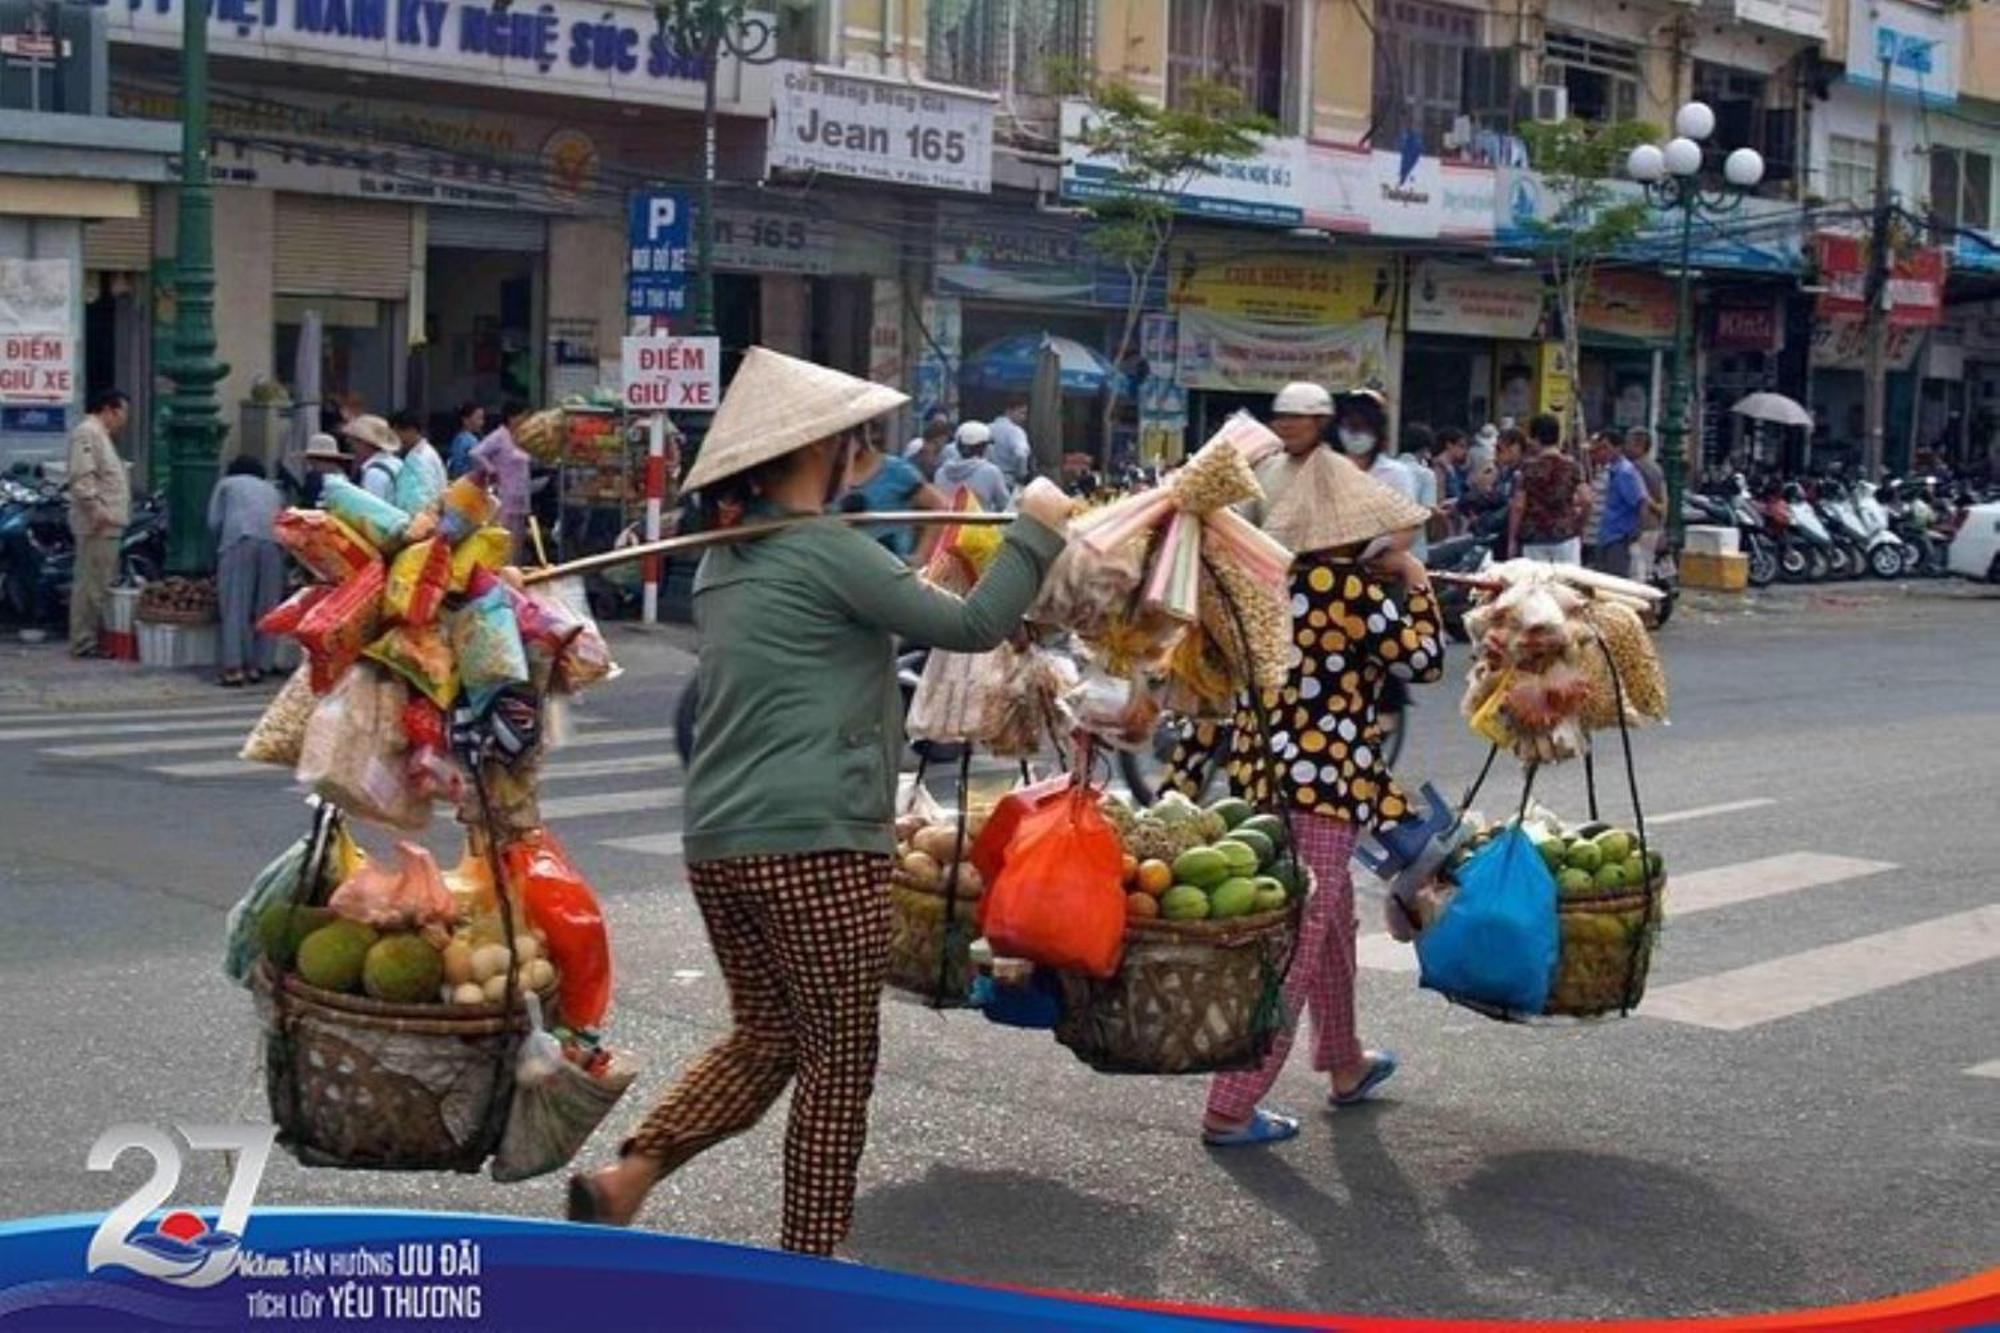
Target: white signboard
x: 1473, y: 302
x: 1919, y: 42
x: 664, y: 374
x: 881, y: 130
x: 37, y: 341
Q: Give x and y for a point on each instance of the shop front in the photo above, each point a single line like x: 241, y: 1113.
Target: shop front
x: 1471, y: 354
x: 1625, y: 337
x: 1840, y: 350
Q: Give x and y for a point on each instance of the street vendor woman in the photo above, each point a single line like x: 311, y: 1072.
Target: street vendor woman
x: 791, y: 787
x: 1362, y: 614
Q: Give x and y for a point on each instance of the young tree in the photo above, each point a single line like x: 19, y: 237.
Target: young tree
x: 1590, y: 221
x: 1154, y: 154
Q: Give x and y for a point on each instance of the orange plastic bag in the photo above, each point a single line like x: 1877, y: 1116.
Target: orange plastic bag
x: 990, y: 849
x: 560, y: 902
x: 1060, y: 898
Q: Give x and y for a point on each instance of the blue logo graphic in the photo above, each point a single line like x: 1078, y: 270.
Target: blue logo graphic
x: 1412, y: 148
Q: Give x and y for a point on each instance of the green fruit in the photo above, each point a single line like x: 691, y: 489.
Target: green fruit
x: 332, y: 956
x: 1241, y: 856
x: 1553, y: 852
x: 1610, y: 877
x: 1256, y: 842
x: 1184, y: 902
x: 402, y: 969
x: 1616, y: 845
x: 1584, y: 856
x: 1232, y: 811
x: 1233, y: 897
x: 1574, y: 881
x: 1270, y: 826
x: 1271, y: 895
x: 1289, y: 873
x: 281, y: 927
x: 1203, y: 867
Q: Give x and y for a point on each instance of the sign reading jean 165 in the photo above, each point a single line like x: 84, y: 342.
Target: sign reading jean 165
x: 881, y: 130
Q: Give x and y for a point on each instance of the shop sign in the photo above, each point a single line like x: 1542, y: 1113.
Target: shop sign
x: 1842, y: 344
x: 765, y: 240
x: 1011, y: 259
x: 657, y: 269
x: 1621, y: 304
x: 37, y: 337
x: 1918, y: 42
x: 881, y: 130
x: 1237, y: 355
x: 1555, y: 385
x: 610, y: 52
x: 1760, y: 235
x: 1916, y: 282
x: 1280, y: 287
x: 1739, y: 326
x: 1473, y: 302
x: 672, y: 374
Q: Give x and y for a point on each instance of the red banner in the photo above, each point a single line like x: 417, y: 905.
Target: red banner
x: 1916, y: 282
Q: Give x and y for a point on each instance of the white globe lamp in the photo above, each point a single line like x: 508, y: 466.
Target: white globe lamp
x: 1743, y: 168
x: 1646, y: 164
x: 1682, y: 156
x: 1694, y: 121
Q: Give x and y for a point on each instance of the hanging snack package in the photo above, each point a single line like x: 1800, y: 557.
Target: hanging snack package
x: 339, y: 626
x: 328, y: 547
x: 417, y: 489
x: 428, y: 761
x: 406, y: 895
x: 281, y: 731
x: 468, y: 506
x: 419, y: 578
x: 368, y: 514
x: 421, y: 655
x: 557, y: 1105
x: 284, y: 618
x: 354, y: 748
x: 488, y: 548
x: 585, y: 658
x: 486, y: 640
x: 560, y: 903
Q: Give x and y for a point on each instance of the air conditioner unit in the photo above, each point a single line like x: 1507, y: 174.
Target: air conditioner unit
x: 1460, y: 136
x: 1551, y: 102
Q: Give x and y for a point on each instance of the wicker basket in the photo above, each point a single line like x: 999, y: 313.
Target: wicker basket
x: 367, y: 1085
x: 918, y: 940
x: 1606, y: 941
x: 161, y: 616
x: 1191, y: 997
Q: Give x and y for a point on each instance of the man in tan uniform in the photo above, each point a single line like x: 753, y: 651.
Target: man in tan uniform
x: 100, y: 505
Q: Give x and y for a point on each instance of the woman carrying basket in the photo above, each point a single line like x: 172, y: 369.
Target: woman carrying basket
x: 1362, y: 615
x: 791, y: 787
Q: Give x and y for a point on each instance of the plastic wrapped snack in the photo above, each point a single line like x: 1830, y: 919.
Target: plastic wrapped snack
x: 417, y: 489
x: 354, y: 749
x: 428, y: 761
x: 466, y: 508
x: 406, y: 895
x: 421, y: 655
x: 486, y: 640
x: 419, y: 578
x: 339, y: 626
x: 284, y: 618
x: 368, y: 514
x: 544, y: 619
x: 488, y: 548
x: 281, y: 731
x: 1085, y: 591
x: 328, y: 547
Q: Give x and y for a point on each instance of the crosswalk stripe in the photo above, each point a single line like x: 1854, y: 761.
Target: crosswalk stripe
x: 1784, y: 987
x: 656, y: 844
x: 605, y: 768
x: 1704, y: 811
x: 612, y: 803
x: 217, y: 768
x: 51, y: 716
x: 629, y: 736
x: 228, y: 724
x: 1985, y: 1069
x: 230, y: 741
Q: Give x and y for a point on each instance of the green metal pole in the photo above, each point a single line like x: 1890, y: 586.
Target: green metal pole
x: 195, y: 430
x: 1677, y: 425
x: 158, y: 470
x: 704, y: 237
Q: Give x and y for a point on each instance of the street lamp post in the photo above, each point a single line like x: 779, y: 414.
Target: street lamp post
x: 194, y: 429
x: 1672, y: 177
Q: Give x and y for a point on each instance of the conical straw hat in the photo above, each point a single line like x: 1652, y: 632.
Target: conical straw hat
x: 1325, y: 501
x: 777, y: 403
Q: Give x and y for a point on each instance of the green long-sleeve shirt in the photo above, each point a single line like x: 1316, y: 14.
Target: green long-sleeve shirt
x: 801, y: 724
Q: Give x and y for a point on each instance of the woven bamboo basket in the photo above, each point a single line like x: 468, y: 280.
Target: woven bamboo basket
x: 366, y: 1085
x: 918, y: 941
x: 1606, y: 951
x: 1191, y: 997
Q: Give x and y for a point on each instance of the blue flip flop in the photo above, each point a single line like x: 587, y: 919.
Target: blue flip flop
x: 1263, y: 1127
x: 1381, y: 1067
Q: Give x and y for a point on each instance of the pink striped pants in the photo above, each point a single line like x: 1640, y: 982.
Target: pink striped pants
x: 1322, y: 977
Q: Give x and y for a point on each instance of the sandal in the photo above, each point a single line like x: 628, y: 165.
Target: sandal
x: 230, y: 680
x: 1262, y: 1127
x: 1381, y: 1065
x: 587, y: 1205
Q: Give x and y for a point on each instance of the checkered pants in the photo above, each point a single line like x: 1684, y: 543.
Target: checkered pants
x: 803, y: 941
x: 1322, y: 977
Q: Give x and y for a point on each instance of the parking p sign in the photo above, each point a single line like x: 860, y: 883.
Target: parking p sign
x: 657, y: 267
x: 666, y: 374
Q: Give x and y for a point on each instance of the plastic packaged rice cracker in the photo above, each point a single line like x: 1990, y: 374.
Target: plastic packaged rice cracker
x: 282, y: 729
x: 354, y: 749
x: 419, y: 577
x: 418, y: 488
x: 340, y: 625
x: 421, y: 656
x: 328, y: 547
x: 371, y: 516
x: 487, y: 642
x: 284, y: 618
x: 488, y: 548
x: 468, y: 506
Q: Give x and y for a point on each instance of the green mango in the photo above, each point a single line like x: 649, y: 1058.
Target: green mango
x: 1615, y: 845
x: 1232, y: 811
x: 1233, y: 897
x: 1271, y: 895
x: 1184, y: 902
x: 1204, y: 867
x: 1610, y: 877
x: 1574, y: 882
x: 1256, y: 842
x: 1584, y: 856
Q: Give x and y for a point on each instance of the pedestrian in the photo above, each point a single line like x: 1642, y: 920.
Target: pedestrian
x: 1013, y: 453
x: 506, y: 466
x: 377, y: 453
x: 324, y: 458
x: 878, y: 482
x: 791, y: 788
x: 1488, y: 506
x: 1314, y: 748
x: 973, y: 471
x: 1452, y: 462
x: 1624, y: 508
x: 1545, y: 513
x: 471, y: 424
x: 100, y: 505
x: 1485, y: 447
x: 418, y: 452
x: 1639, y: 449
x: 926, y: 451
x: 1362, y: 428
x: 249, y: 566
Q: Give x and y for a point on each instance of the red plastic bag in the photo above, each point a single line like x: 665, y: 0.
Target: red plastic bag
x: 340, y: 625
x: 1060, y: 898
x: 561, y: 904
x: 989, y: 849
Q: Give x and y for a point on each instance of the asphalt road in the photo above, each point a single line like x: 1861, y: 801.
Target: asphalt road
x: 1806, y: 1110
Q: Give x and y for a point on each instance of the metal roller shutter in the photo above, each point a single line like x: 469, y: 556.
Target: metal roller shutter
x: 121, y: 245
x: 341, y: 247
x: 486, y: 229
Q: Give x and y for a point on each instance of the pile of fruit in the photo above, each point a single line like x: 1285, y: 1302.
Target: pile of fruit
x: 427, y: 966
x: 177, y: 599
x: 1590, y: 861
x: 927, y: 846
x: 1184, y: 863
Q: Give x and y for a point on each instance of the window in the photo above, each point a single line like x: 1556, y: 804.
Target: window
x: 1420, y: 70
x: 1962, y: 188
x: 1850, y: 169
x: 1602, y: 77
x: 1238, y: 42
x: 1007, y: 46
x: 1747, y: 116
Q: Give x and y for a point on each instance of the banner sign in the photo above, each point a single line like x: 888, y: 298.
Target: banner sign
x: 1281, y: 287
x: 1630, y: 306
x: 1916, y: 282
x: 665, y: 374
x: 1762, y: 235
x: 656, y: 273
x: 881, y: 130
x: 37, y: 337
x: 1746, y: 326
x: 1842, y: 344
x: 1919, y: 43
x: 769, y: 240
x: 1470, y: 301
x: 1239, y: 355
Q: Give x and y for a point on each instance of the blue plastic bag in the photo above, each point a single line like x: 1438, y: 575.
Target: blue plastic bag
x: 1496, y: 944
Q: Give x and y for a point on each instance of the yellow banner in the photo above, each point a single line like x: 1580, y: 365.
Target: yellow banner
x: 1282, y: 287
x: 1557, y: 386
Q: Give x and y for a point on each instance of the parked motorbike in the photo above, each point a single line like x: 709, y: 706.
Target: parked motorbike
x: 1818, y: 556
x: 1864, y: 528
x: 38, y: 551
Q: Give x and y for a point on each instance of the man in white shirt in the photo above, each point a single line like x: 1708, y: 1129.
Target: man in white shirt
x: 418, y: 452
x: 1011, y: 451
x: 376, y: 448
x: 971, y: 470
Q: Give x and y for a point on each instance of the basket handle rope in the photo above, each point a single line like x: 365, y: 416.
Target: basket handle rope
x: 1651, y: 892
x: 947, y: 936
x: 312, y: 868
x: 500, y: 1101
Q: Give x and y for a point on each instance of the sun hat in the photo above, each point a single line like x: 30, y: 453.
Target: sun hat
x: 778, y: 403
x: 371, y: 429
x: 1327, y: 501
x: 1302, y: 398
x: 324, y: 447
x: 974, y: 435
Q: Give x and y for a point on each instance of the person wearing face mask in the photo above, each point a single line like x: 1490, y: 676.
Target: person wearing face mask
x: 1361, y: 425
x: 791, y: 786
